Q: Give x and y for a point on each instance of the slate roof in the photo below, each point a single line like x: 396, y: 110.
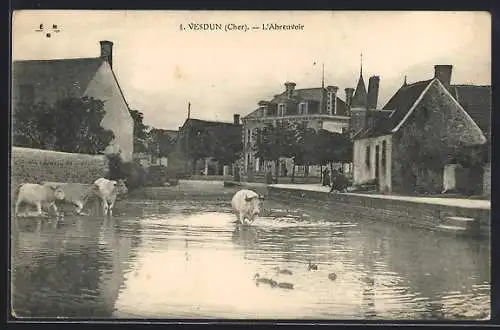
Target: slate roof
x: 400, y: 103
x: 305, y: 94
x: 52, y: 79
x: 360, y: 95
x: 476, y: 100
x: 49, y: 76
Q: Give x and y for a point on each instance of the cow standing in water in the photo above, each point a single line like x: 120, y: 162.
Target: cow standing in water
x: 246, y: 205
x: 36, y: 194
x: 107, y: 190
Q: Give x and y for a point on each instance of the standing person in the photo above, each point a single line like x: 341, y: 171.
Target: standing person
x: 269, y: 175
x: 326, y: 177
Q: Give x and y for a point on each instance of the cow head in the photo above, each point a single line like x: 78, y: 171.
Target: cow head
x: 121, y: 186
x: 255, y: 201
x: 58, y: 192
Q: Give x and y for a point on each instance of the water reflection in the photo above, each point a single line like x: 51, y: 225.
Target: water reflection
x: 70, y: 268
x: 189, y: 259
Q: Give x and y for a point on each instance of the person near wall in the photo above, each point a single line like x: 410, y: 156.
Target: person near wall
x: 339, y: 181
x: 269, y: 175
x: 326, y: 177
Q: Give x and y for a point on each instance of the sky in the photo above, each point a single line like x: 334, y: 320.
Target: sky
x: 161, y: 68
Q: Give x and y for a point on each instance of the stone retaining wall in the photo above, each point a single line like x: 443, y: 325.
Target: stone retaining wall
x: 421, y: 215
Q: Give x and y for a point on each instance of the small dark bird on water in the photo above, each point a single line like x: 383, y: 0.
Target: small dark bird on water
x: 312, y: 266
x: 285, y: 285
x: 332, y: 276
x: 264, y: 280
x: 283, y: 271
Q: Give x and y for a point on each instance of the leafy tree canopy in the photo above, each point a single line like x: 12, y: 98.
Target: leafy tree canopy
x: 70, y: 125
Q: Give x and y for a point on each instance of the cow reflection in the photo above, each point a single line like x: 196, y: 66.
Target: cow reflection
x: 245, y: 236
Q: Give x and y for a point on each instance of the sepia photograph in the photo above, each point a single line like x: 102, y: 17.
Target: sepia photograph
x: 250, y: 165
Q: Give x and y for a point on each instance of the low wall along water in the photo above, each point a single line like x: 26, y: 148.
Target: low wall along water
x: 419, y: 215
x: 35, y: 166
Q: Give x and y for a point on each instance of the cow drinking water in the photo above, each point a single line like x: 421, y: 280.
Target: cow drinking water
x: 76, y: 194
x: 107, y: 191
x: 36, y: 195
x: 246, y: 205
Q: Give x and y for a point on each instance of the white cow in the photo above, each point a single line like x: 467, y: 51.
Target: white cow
x: 107, y: 192
x: 36, y: 194
x: 76, y: 193
x: 246, y: 205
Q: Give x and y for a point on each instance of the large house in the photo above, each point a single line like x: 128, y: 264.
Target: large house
x: 199, y: 140
x: 319, y: 108
x: 423, y: 120
x: 51, y: 80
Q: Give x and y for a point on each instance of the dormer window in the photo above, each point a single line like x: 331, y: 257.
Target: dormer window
x: 281, y: 109
x: 303, y: 108
x: 263, y: 111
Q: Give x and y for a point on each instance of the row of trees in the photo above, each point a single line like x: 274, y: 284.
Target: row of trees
x: 73, y: 125
x: 306, y: 146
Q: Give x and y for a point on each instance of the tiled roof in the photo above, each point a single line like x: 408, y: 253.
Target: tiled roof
x: 306, y: 94
x: 476, y: 100
x: 51, y: 77
x: 400, y: 103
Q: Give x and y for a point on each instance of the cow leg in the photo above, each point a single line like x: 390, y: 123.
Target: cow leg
x: 39, y: 208
x: 18, y: 203
x: 54, y: 207
x: 241, y: 218
x: 110, y: 210
x: 105, y: 207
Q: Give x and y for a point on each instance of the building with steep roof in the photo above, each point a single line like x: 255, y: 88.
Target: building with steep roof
x: 51, y: 80
x: 425, y: 117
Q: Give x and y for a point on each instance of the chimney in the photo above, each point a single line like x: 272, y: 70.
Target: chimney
x: 443, y: 73
x: 107, y: 51
x: 289, y: 87
x: 348, y: 95
x: 373, y: 84
x: 236, y: 118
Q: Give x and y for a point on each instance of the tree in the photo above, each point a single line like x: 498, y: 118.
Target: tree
x: 140, y: 131
x: 70, y: 125
x: 226, y: 146
x: 333, y: 147
x: 273, y: 142
x: 160, y: 143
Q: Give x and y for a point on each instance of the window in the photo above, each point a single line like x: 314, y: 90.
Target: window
x: 367, y: 157
x: 303, y: 108
x: 384, y: 152
x: 249, y: 135
x: 330, y: 103
x: 281, y: 109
